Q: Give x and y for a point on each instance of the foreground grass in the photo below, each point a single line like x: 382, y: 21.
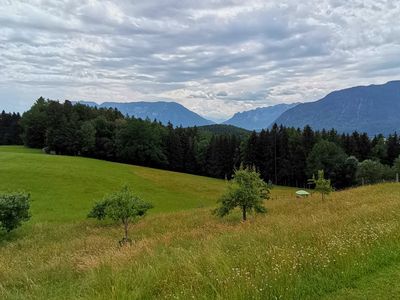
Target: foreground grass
x: 382, y: 284
x: 301, y: 249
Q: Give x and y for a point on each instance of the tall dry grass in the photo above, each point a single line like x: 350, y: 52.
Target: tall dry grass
x: 301, y: 249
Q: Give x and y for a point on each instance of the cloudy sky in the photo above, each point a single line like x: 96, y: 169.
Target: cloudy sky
x: 214, y: 57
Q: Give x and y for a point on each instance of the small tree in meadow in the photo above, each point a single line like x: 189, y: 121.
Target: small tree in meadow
x: 322, y: 185
x: 247, y: 191
x: 14, y: 209
x: 123, y: 206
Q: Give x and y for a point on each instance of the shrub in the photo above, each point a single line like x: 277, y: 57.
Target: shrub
x: 14, y: 209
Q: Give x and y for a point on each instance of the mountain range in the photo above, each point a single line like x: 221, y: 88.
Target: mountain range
x: 259, y: 118
x: 373, y: 109
x: 162, y: 111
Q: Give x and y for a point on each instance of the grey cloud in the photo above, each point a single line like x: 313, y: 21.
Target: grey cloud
x: 245, y: 53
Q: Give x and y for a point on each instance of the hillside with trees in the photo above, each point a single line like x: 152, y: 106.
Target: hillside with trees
x: 282, y: 155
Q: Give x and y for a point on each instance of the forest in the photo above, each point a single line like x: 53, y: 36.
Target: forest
x: 283, y: 156
x: 10, y: 129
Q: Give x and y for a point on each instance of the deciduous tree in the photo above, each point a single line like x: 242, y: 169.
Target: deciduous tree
x: 247, y: 191
x: 123, y: 206
x: 322, y: 185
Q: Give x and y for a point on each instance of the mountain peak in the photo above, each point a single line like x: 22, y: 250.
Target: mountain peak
x: 373, y: 109
x: 258, y: 118
x: 162, y: 111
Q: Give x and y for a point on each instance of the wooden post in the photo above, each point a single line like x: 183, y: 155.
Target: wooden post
x: 397, y: 177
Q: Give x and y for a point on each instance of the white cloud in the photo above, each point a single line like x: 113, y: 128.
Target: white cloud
x: 215, y: 57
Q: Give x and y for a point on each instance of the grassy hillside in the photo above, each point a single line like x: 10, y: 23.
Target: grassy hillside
x: 64, y: 188
x: 342, y: 248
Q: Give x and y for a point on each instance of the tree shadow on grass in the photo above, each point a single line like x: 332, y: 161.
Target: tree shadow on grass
x: 235, y: 218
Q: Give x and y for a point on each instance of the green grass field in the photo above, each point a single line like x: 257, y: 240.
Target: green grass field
x: 346, y: 247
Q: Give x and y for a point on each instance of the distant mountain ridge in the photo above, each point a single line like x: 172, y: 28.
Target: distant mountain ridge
x: 373, y: 109
x: 259, y: 118
x: 162, y: 111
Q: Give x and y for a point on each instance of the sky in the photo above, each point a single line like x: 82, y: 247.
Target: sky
x: 214, y: 57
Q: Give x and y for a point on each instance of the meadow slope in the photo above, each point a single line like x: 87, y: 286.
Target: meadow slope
x: 342, y: 248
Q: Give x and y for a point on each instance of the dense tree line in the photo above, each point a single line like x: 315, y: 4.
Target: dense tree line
x: 64, y: 128
x: 10, y: 129
x: 290, y: 156
x: 285, y: 156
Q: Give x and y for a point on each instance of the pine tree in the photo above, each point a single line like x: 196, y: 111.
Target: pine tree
x: 393, y: 148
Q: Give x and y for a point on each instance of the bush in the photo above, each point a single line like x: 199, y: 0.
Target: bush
x: 14, y: 209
